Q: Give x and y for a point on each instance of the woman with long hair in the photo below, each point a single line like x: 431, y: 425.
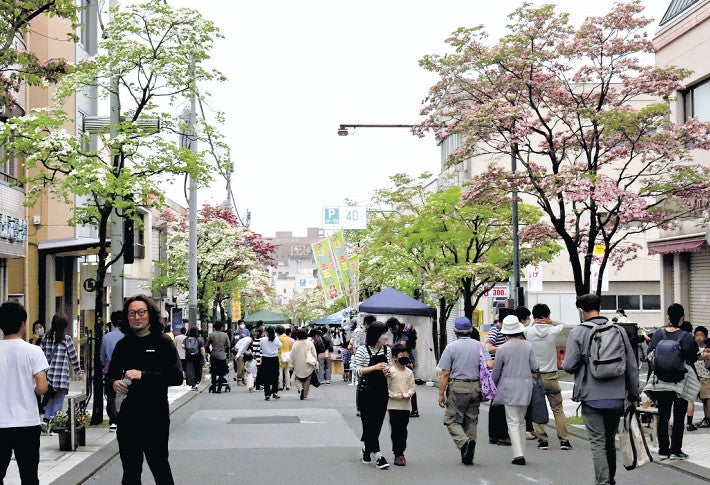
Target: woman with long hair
x: 304, y: 361
x: 60, y: 351
x: 195, y: 356
x: 270, y: 346
x: 371, y: 364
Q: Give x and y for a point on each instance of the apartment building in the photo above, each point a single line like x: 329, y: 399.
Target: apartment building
x: 684, y: 40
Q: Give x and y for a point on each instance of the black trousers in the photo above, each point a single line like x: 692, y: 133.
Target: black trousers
x: 270, y: 375
x: 398, y: 430
x: 497, y: 425
x: 667, y: 400
x: 110, y: 402
x: 373, y: 407
x: 24, y: 440
x: 149, y: 438
x: 193, y: 370
x: 218, y: 369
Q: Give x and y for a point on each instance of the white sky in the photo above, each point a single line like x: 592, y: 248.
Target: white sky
x: 296, y: 70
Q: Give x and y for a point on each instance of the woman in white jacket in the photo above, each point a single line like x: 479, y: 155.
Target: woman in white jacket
x: 304, y: 361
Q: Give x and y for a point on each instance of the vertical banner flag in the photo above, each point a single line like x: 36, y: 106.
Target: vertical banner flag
x: 326, y: 269
x: 533, y: 275
x: 597, y: 258
x: 236, y: 305
x: 337, y: 245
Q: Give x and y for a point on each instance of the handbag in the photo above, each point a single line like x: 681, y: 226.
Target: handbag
x: 286, y: 357
x: 633, y: 442
x: 488, y: 387
x: 315, y: 382
x: 538, y: 404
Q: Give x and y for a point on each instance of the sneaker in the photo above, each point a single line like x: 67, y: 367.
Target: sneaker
x: 664, y: 456
x: 543, y: 445
x: 276, y: 396
x: 267, y: 398
x: 381, y: 463
x: 112, y: 427
x: 705, y: 423
x: 366, y: 457
x: 467, y: 452
x: 518, y: 460
x: 400, y: 460
x: 691, y: 427
x: 414, y: 414
x: 504, y: 442
x: 679, y: 456
x: 529, y: 436
x: 565, y: 445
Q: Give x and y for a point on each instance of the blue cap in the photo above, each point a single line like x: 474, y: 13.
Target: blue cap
x: 462, y: 323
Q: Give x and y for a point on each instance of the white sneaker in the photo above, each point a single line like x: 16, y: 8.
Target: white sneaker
x: 113, y: 427
x: 529, y: 436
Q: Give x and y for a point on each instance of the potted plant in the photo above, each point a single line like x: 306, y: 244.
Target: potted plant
x: 59, y: 423
x: 82, y: 419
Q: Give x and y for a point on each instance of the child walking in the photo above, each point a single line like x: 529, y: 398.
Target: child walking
x: 251, y: 370
x: 400, y: 385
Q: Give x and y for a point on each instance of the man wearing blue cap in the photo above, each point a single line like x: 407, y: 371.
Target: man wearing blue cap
x: 460, y: 389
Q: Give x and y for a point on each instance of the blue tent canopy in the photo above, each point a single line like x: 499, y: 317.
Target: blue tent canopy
x: 391, y: 301
x: 334, y: 318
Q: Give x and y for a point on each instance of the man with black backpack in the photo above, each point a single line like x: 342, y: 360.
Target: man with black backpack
x: 670, y: 349
x: 605, y: 370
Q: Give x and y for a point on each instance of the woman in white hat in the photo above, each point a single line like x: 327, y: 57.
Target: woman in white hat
x: 512, y: 374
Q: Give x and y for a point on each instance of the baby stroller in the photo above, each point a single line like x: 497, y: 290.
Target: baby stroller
x: 219, y: 370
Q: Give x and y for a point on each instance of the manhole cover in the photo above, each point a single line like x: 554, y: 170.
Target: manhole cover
x: 265, y: 420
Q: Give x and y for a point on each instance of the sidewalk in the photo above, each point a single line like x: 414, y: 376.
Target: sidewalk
x: 54, y: 463
x: 695, y: 443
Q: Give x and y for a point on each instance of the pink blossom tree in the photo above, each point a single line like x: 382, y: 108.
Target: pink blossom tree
x: 586, y: 121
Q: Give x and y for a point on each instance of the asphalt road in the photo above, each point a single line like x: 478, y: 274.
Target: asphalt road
x: 237, y: 437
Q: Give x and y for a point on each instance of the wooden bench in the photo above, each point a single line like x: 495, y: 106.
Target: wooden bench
x: 75, y: 400
x: 652, y: 414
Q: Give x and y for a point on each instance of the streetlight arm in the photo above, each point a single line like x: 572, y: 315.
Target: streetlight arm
x: 343, y: 128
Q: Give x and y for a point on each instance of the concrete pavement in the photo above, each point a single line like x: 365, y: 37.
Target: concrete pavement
x: 324, y: 431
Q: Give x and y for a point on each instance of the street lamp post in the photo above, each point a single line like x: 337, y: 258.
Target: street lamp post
x: 515, y: 281
x: 343, y: 128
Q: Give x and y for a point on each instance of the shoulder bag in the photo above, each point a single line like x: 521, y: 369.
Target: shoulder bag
x: 538, y: 404
x: 488, y: 387
x: 633, y: 442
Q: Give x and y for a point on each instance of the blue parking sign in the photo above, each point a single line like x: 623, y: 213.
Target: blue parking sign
x: 331, y: 215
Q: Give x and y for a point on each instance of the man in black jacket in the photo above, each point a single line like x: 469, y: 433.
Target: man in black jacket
x: 144, y: 363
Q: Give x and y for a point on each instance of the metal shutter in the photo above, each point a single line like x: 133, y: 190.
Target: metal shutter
x: 699, y: 313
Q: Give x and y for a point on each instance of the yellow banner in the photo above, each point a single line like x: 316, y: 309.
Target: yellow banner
x: 236, y: 305
x: 326, y: 269
x: 337, y: 245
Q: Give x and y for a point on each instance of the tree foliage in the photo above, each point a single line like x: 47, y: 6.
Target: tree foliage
x: 309, y: 305
x: 227, y: 255
x: 429, y: 242
x: 147, y: 52
x: 17, y: 65
x: 586, y: 120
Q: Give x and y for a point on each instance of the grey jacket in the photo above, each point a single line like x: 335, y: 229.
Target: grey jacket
x: 586, y: 387
x: 514, y: 363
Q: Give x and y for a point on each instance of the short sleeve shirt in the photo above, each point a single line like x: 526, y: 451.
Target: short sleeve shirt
x: 462, y: 358
x: 19, y: 362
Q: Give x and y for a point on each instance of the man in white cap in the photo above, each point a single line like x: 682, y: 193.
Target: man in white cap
x: 460, y: 389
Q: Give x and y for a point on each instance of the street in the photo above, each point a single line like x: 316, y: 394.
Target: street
x: 237, y: 437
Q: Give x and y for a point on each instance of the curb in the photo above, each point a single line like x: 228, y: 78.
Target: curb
x: 87, y: 468
x: 686, y: 467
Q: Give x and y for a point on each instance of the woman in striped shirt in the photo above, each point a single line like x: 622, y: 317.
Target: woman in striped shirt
x: 371, y: 363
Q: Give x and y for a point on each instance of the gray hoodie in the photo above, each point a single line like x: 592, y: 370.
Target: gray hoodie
x: 586, y: 387
x: 543, y: 338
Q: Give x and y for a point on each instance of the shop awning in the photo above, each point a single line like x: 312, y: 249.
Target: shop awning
x: 686, y: 245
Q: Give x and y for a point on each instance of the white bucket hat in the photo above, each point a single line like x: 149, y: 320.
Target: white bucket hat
x: 511, y: 326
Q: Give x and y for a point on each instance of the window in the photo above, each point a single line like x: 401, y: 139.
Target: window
x: 696, y: 101
x: 631, y: 302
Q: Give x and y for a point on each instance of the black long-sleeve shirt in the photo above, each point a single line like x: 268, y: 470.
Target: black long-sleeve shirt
x: 156, y: 357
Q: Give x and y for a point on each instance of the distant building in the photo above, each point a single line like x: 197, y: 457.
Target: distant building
x: 295, y: 266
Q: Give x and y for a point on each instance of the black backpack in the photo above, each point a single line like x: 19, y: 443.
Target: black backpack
x: 192, y: 346
x: 667, y: 361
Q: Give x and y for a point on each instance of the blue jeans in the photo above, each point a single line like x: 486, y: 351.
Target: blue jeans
x: 602, y: 425
x: 55, y: 403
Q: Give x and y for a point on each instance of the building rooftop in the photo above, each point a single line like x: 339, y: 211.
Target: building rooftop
x: 675, y: 9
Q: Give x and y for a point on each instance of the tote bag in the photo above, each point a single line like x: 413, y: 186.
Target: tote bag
x: 538, y: 405
x: 633, y: 443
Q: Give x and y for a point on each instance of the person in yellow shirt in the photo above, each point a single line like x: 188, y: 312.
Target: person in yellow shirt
x: 284, y: 358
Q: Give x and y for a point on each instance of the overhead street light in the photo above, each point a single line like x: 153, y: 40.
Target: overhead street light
x: 343, y: 128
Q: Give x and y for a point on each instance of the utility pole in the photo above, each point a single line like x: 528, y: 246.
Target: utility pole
x: 116, y: 219
x: 191, y: 142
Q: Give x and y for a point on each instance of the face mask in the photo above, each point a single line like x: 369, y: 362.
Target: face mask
x: 404, y: 361
x: 40, y: 331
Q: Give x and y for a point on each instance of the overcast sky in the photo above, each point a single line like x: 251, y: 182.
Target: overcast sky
x: 297, y: 70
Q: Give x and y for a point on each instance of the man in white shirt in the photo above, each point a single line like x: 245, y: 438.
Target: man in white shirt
x: 239, y: 349
x: 23, y: 369
x: 542, y: 334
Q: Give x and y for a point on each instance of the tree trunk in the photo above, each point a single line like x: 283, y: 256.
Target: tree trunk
x: 97, y: 411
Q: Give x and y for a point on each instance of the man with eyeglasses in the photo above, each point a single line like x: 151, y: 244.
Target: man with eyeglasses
x: 144, y: 363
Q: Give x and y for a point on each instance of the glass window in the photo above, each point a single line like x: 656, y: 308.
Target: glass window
x: 651, y: 302
x: 629, y: 302
x: 608, y: 302
x: 696, y: 101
